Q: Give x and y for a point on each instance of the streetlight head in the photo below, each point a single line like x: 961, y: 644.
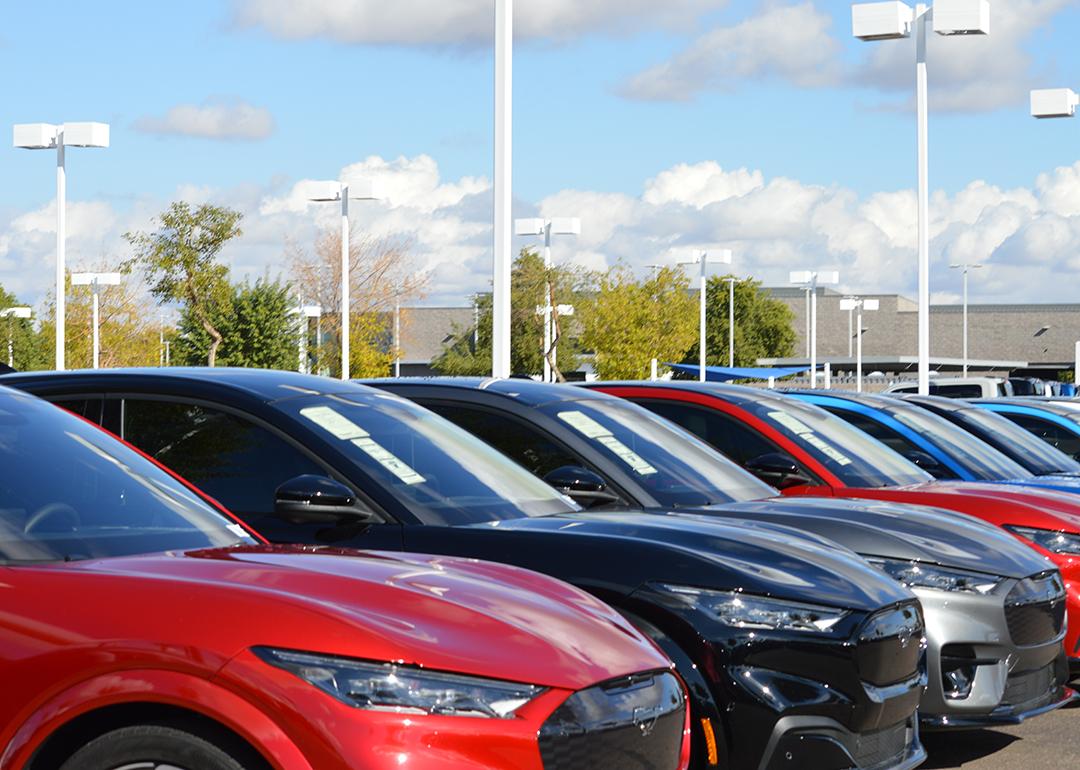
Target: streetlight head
x: 801, y: 276
x: 849, y: 304
x: 365, y: 190
x: 533, y: 226
x: 312, y: 311
x: 882, y: 21
x: 16, y: 312
x: 1054, y: 103
x: 324, y: 192
x: 871, y: 304
x: 828, y: 277
x: 34, y: 136
x: 566, y: 226
x: 86, y: 135
x: 101, y: 279
x: 962, y: 17
x: 724, y: 256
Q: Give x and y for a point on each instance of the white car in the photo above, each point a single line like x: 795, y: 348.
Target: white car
x: 960, y: 387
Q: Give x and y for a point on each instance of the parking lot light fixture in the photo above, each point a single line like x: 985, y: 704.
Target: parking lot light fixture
x: 341, y: 192
x: 858, y: 305
x: 1054, y: 103
x: 46, y: 136
x: 897, y: 20
x: 502, y: 185
x: 305, y: 313
x: 95, y: 281
x: 811, y: 280
x: 966, y: 267
x: 11, y: 314
x: 703, y: 259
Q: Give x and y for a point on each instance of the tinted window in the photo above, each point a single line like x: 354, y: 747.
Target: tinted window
x: 957, y: 391
x: 69, y: 491
x: 730, y: 436
x: 90, y: 408
x: 1053, y: 434
x: 890, y: 438
x: 234, y: 461
x: 1019, y: 444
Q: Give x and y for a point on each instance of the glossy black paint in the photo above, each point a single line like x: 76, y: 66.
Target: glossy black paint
x: 746, y: 681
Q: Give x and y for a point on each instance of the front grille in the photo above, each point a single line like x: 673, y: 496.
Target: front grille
x: 890, y: 646
x: 884, y: 748
x: 1030, y: 689
x: 1035, y: 610
x: 633, y: 723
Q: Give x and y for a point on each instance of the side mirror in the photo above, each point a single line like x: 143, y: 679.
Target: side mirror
x: 316, y: 497
x: 581, y: 485
x: 778, y: 469
x: 924, y: 461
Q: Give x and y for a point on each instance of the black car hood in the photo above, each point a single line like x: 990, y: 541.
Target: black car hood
x: 898, y: 531
x: 701, y: 551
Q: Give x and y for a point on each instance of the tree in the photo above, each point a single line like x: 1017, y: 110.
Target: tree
x: 764, y: 326
x: 258, y: 328
x: 28, y: 345
x: 628, y: 322
x: 180, y: 262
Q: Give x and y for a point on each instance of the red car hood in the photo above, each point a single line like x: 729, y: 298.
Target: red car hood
x: 442, y: 613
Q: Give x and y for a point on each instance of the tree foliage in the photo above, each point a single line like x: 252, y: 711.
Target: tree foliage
x: 629, y: 322
x: 180, y: 262
x: 29, y: 351
x: 764, y: 326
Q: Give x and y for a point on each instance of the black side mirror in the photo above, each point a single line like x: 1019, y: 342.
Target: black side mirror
x: 581, y: 485
x: 926, y: 462
x: 778, y: 469
x: 317, y: 497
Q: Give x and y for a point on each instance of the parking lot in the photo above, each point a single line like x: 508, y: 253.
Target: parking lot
x: 1051, y: 742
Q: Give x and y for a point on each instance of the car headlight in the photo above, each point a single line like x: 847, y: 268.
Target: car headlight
x: 1054, y: 542
x: 918, y: 575
x: 748, y: 611
x: 400, y: 689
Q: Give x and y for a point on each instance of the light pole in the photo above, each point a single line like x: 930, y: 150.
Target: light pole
x: 11, y: 314
x: 503, y: 188
x: 966, y: 267
x: 807, y: 293
x: 46, y: 136
x: 340, y: 192
x: 95, y: 281
x: 1054, y: 103
x: 306, y: 313
x: 703, y: 258
x: 397, y: 336
x: 731, y: 320
x: 547, y: 228
x: 810, y: 280
x: 892, y: 21
x: 858, y: 304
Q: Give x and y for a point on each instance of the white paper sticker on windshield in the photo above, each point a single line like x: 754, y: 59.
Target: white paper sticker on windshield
x: 335, y: 423
x: 806, y: 433
x: 388, y: 460
x: 584, y: 424
x: 791, y: 423
x: 590, y: 428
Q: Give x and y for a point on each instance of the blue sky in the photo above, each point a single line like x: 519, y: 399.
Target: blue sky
x: 821, y: 109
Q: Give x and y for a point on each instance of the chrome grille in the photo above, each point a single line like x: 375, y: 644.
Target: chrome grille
x: 1035, y: 610
x: 1027, y: 689
x: 884, y: 748
x: 890, y: 646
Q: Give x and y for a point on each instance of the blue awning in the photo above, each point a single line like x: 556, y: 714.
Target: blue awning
x: 727, y: 374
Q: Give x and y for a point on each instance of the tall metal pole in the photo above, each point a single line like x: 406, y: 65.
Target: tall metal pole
x: 813, y: 332
x: 807, y: 292
x: 965, y: 320
x: 302, y: 344
x: 397, y: 337
x: 61, y: 257
x: 345, y: 289
x: 921, y: 18
x: 161, y: 339
x: 704, y: 289
x: 547, y: 304
x: 503, y: 177
x: 731, y: 323
x: 850, y: 331
x: 11, y: 341
x: 858, y: 355
x: 97, y: 322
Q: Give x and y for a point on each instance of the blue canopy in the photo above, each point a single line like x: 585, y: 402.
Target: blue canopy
x: 727, y: 374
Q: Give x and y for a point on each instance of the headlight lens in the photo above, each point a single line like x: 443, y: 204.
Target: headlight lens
x: 1054, y: 542
x: 747, y: 611
x: 386, y: 687
x: 915, y: 574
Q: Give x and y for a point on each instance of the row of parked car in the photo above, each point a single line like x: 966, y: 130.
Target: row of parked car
x: 643, y: 576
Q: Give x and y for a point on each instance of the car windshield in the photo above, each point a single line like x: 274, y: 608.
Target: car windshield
x: 854, y: 457
x: 1025, y: 448
x: 70, y: 492
x: 674, y: 467
x: 439, y: 472
x: 974, y: 455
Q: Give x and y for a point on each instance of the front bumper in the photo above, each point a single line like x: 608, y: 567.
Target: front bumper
x: 812, y: 742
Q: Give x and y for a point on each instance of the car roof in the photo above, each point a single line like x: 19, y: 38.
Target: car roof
x: 733, y: 393
x: 524, y: 391
x: 939, y: 403
x: 1063, y: 406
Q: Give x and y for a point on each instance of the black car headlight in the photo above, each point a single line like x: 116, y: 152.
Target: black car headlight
x: 748, y: 611
x: 1054, y: 542
x: 915, y: 574
x: 401, y: 689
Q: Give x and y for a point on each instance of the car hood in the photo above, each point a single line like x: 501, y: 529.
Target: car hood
x: 1054, y: 509
x: 702, y: 551
x: 896, y: 531
x: 441, y: 613
x: 1069, y: 484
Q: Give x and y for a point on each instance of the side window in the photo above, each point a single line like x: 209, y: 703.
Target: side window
x: 520, y: 442
x: 90, y: 408
x: 729, y: 436
x: 960, y: 391
x: 1053, y: 434
x: 231, y: 459
x: 890, y: 438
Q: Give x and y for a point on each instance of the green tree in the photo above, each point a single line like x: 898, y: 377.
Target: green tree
x: 180, y: 261
x: 29, y: 351
x: 629, y: 322
x: 764, y: 326
x: 257, y: 325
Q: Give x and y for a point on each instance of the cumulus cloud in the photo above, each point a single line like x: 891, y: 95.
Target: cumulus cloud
x: 217, y: 119
x: 457, y: 22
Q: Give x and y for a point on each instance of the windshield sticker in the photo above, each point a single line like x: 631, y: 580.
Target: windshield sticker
x: 386, y: 459
x: 791, y: 423
x: 590, y: 428
x: 334, y: 423
x: 806, y: 433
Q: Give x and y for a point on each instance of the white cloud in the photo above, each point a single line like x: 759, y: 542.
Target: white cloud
x: 215, y: 119
x: 457, y: 22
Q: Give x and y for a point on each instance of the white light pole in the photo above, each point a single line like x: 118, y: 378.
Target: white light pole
x: 810, y: 280
x: 11, y: 314
x: 340, y: 192
x: 547, y: 228
x: 966, y: 267
x: 731, y: 320
x: 397, y: 336
x: 306, y: 313
x: 503, y: 188
x: 807, y: 293
x: 895, y: 20
x: 702, y: 259
x: 858, y: 304
x: 45, y: 136
x: 95, y: 281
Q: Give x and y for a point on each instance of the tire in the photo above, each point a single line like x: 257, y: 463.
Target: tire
x: 151, y: 747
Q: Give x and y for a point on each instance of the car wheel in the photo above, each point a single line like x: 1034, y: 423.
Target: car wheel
x: 151, y: 747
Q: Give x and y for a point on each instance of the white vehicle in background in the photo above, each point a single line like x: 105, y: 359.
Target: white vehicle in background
x: 960, y: 387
